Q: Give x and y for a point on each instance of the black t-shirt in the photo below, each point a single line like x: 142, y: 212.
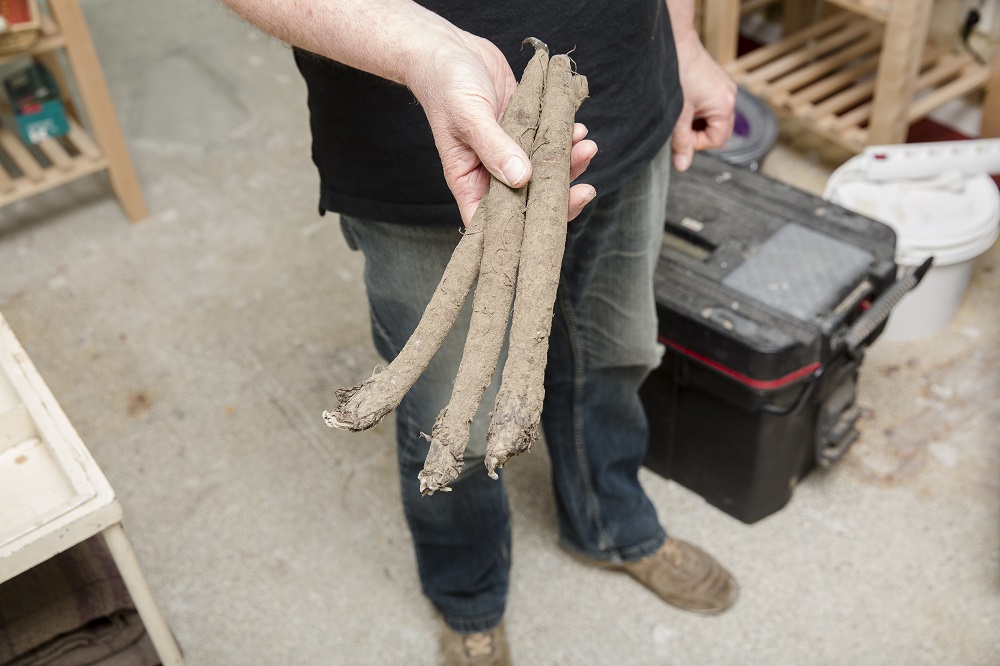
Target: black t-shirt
x: 373, y: 145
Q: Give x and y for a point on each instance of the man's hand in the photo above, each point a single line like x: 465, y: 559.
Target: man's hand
x: 709, y: 95
x: 462, y: 81
x: 463, y: 89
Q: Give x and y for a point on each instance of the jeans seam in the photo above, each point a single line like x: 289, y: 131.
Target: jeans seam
x: 639, y: 551
x: 576, y: 351
x: 476, y: 623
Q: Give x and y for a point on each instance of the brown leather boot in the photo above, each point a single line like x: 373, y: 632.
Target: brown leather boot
x: 487, y: 648
x: 683, y: 575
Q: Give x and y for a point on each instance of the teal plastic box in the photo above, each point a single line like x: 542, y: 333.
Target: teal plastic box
x: 38, y: 111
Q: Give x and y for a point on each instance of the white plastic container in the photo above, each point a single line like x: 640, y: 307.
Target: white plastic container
x: 953, y: 217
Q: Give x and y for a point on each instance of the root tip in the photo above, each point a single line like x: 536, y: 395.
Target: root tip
x: 331, y: 421
x: 536, y: 44
x: 493, y: 463
x: 431, y: 482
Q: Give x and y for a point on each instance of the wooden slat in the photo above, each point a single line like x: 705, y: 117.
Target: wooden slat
x: 83, y: 142
x: 802, y: 57
x: 57, y: 154
x: 854, y: 139
x: 6, y: 182
x: 828, y: 108
x: 804, y: 99
x: 940, y: 70
x: 65, y: 167
x: 973, y: 77
x: 24, y: 160
x: 921, y: 107
x: 25, y: 188
x: 764, y: 54
x: 847, y: 139
x: 860, y: 115
x: 856, y: 117
x: 862, y: 89
x: 822, y: 67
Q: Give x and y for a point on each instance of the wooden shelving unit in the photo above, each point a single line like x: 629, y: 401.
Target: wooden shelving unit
x: 861, y: 75
x: 718, y: 21
x: 27, y: 170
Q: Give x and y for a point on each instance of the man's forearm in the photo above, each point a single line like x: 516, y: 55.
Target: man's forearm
x: 387, y: 38
x: 682, y: 20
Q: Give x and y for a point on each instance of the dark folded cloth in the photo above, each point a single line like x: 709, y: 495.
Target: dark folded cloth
x: 118, y: 639
x: 72, y: 610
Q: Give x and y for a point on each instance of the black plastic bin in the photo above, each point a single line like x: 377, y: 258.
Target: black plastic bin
x: 762, y: 293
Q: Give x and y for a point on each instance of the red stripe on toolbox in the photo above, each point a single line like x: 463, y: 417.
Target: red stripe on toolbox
x: 761, y: 384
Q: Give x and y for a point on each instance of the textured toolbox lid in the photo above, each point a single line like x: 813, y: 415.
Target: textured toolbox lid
x: 799, y: 271
x: 761, y: 277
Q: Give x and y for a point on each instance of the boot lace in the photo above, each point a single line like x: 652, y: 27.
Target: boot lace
x: 478, y: 645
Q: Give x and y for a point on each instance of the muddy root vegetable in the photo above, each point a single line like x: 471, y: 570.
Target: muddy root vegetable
x: 514, y: 247
x: 504, y: 227
x: 517, y: 412
x: 363, y: 406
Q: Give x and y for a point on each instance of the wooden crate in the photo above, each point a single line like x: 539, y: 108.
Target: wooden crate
x: 23, y: 25
x: 825, y: 76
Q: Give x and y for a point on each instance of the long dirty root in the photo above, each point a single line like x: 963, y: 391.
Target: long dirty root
x: 517, y: 412
x: 363, y: 406
x: 514, y: 247
x: 494, y: 291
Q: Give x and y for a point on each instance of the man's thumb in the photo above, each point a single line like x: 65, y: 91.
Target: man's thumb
x: 682, y: 143
x: 500, y: 154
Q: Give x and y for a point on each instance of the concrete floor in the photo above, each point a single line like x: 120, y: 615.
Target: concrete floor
x: 195, y: 352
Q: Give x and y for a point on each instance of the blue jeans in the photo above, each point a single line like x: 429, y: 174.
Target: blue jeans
x: 603, y: 344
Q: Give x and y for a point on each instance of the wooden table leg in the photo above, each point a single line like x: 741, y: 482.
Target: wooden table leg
x: 899, y: 65
x: 721, y: 21
x: 156, y: 626
x: 93, y: 89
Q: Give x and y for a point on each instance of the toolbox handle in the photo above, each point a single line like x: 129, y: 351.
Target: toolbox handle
x: 876, y: 315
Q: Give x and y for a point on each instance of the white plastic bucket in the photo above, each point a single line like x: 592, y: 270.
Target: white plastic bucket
x: 952, y: 217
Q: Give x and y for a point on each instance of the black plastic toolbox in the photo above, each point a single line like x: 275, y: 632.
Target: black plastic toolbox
x: 767, y: 297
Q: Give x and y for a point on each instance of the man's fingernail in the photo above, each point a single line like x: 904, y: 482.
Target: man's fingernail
x: 513, y: 170
x: 682, y: 162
